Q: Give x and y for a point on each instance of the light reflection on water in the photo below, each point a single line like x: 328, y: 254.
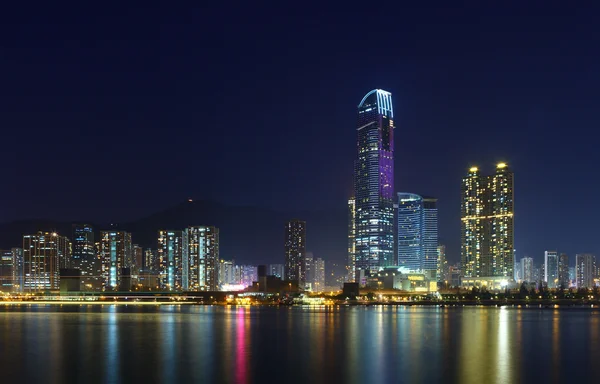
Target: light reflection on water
x: 336, y: 344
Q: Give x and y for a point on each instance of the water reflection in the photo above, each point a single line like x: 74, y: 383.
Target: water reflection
x: 244, y: 344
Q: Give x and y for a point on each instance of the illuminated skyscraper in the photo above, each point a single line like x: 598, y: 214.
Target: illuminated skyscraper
x: 351, y: 264
x: 115, y: 251
x: 295, y: 251
x: 585, y: 269
x: 417, y: 234
x: 170, y: 259
x: 527, y: 272
x: 442, y: 265
x: 551, y: 269
x: 563, y: 271
x: 200, y: 267
x: 137, y: 258
x: 487, y: 234
x: 7, y: 271
x: 43, y: 255
x: 319, y: 275
x: 85, y: 257
x: 276, y: 270
x: 374, y: 183
x: 227, y: 273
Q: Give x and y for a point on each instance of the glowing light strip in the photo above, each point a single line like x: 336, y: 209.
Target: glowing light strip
x: 486, y: 217
x: 384, y: 102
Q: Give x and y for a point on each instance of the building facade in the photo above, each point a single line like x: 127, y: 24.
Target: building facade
x: 201, y: 259
x: 248, y: 275
x: 527, y: 270
x: 374, y: 184
x: 228, y: 273
x: 137, y: 258
x: 170, y: 253
x: 417, y: 234
x: 319, y: 275
x: 85, y: 257
x: 442, y: 265
x: 563, y: 271
x: 43, y: 255
x: 295, y: 251
x: 551, y: 269
x: 351, y: 263
x: 585, y: 270
x: 277, y: 270
x: 487, y: 229
x: 115, y: 254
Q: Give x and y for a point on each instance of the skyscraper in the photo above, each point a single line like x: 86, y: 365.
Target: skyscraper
x: 430, y: 238
x: 170, y: 259
x: 410, y: 231
x: 6, y: 271
x: 43, y: 255
x: 85, y: 257
x: 200, y: 267
x: 115, y: 251
x: 227, y: 273
x: 563, y: 271
x: 137, y: 258
x: 527, y: 269
x: 319, y: 275
x: 309, y: 274
x: 442, y: 265
x: 295, y: 251
x: 585, y: 269
x: 417, y: 234
x: 487, y: 240
x: 150, y: 260
x: 551, y: 269
x: 374, y: 183
x: 351, y: 264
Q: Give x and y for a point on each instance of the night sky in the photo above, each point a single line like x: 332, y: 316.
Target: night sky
x: 111, y: 114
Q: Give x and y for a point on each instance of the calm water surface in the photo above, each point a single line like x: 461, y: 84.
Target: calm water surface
x: 298, y: 345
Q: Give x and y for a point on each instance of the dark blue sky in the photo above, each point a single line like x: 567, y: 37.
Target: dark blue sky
x: 111, y: 114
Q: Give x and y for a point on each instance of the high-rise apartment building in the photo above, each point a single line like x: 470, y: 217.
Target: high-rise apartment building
x: 276, y: 270
x: 248, y: 275
x: 318, y: 284
x: 200, y: 269
x: 551, y: 269
x: 374, y: 183
x: 137, y: 254
x: 309, y: 273
x: 228, y: 273
x: 351, y: 263
x: 417, y: 234
x: 527, y: 270
x: 295, y: 251
x: 563, y: 271
x: 115, y: 254
x: 442, y: 265
x: 170, y: 252
x: 150, y: 260
x: 585, y: 270
x: 43, y: 255
x: 7, y: 283
x: 85, y: 257
x: 487, y: 210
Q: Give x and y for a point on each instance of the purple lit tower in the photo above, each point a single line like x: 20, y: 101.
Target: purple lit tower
x: 374, y: 183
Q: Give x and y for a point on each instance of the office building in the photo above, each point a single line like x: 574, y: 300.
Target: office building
x: 85, y: 257
x: 276, y: 270
x: 318, y: 283
x: 351, y: 263
x: 170, y: 255
x: 551, y: 269
x: 417, y: 234
x: 309, y: 273
x: 374, y: 183
x: 200, y: 272
x: 585, y: 270
x: 295, y: 251
x: 527, y: 270
x: 487, y: 236
x: 114, y: 252
x: 564, y: 280
x: 43, y: 255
